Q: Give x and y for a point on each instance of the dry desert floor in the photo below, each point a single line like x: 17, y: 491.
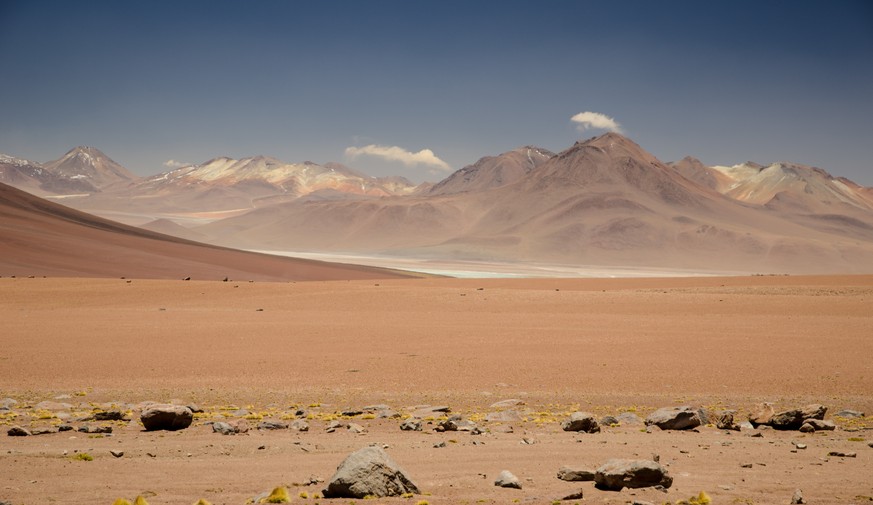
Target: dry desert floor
x: 264, y: 351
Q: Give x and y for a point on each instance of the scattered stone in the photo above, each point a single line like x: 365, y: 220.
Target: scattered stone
x: 272, y: 425
x: 351, y: 412
x: 425, y: 411
x: 840, y: 454
x: 166, y: 417
x: 506, y: 479
x: 724, y: 420
x: 117, y: 454
x: 18, y: 431
x: 843, y: 413
x: 369, y: 471
x: 703, y: 415
x: 578, y: 495
x: 746, y: 426
x: 333, y: 426
x: 65, y: 427
x: 300, y: 425
x: 575, y: 474
x: 629, y: 419
x: 528, y: 441
x: 43, y: 431
x: 797, y: 497
x: 95, y: 429
x: 616, y: 474
x: 356, y: 428
x: 581, y: 421
x: 456, y: 423
x: 504, y: 428
x: 800, y: 446
x: 240, y: 425
x: 439, y: 445
x: 8, y: 403
x: 787, y: 420
x: 869, y: 444
x: 674, y: 418
x: 807, y: 428
x: 411, y: 425
x: 193, y: 407
x: 505, y: 404
x: 223, y: 428
x: 746, y: 465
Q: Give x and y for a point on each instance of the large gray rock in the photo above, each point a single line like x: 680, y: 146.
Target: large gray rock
x: 575, y: 474
x: 368, y: 471
x: 616, y: 474
x: 813, y: 411
x: 629, y: 419
x: 507, y: 479
x: 674, y: 418
x: 581, y: 421
x: 848, y: 413
x: 166, y: 417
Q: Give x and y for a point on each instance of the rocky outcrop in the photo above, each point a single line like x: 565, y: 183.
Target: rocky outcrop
x: 616, y: 474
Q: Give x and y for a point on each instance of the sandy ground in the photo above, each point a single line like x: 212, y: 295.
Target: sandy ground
x: 605, y: 346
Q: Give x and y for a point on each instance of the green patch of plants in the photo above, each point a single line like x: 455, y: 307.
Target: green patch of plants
x: 279, y: 495
x: 83, y: 456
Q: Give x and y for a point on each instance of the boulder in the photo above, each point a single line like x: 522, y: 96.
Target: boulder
x: 368, y: 472
x: 18, y: 431
x: 813, y: 411
x: 797, y: 497
x: 616, y: 474
x: 609, y: 421
x: 108, y: 415
x: 575, y: 474
x: 674, y: 418
x: 581, y: 421
x: 791, y: 419
x: 506, y: 479
x: 724, y: 420
x: 456, y: 423
x: 761, y: 414
x: 299, y: 425
x: 820, y: 425
x: 166, y: 417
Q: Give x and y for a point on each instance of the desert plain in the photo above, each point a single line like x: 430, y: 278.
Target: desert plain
x: 283, y: 351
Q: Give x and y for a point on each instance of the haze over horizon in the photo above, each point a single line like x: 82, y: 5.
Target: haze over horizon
x: 421, y: 89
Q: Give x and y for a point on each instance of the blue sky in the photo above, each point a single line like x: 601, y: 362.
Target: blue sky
x: 149, y: 82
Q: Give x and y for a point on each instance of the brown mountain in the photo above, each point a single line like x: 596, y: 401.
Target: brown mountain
x: 605, y: 201
x: 493, y: 171
x: 38, y: 237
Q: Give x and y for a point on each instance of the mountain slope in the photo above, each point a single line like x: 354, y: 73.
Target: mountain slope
x: 493, y: 171
x: 38, y: 237
x: 605, y: 201
x: 90, y: 166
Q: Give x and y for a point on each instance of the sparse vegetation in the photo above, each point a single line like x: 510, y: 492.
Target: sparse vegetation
x: 279, y: 495
x: 83, y: 456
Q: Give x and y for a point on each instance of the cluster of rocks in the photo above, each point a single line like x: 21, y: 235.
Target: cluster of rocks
x: 613, y: 475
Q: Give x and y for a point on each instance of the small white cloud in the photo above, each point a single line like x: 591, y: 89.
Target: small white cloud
x: 586, y: 120
x: 424, y: 157
x: 175, y: 164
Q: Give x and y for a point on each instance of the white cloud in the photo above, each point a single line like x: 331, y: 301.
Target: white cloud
x: 175, y: 164
x: 424, y: 157
x: 596, y: 120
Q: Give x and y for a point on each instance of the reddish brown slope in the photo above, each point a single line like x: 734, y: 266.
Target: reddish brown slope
x: 38, y: 237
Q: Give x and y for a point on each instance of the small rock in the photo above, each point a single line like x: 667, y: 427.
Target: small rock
x: 117, y: 454
x: 609, y: 421
x: 95, y: 429
x: 746, y: 465
x: 411, y: 425
x: 800, y: 446
x: 616, y: 474
x: 18, y: 431
x: 813, y: 411
x: 806, y: 428
x: 674, y: 418
x: 578, y: 495
x: 575, y: 474
x: 223, y: 428
x: 352, y: 412
x: 368, y: 471
x: 849, y: 413
x: 581, y: 422
x: 507, y: 479
x: 746, y: 426
x: 272, y: 425
x: 109, y: 415
x: 356, y: 428
x: 797, y: 497
x: 299, y: 425
x: 439, y: 445
x: 43, y: 431
x: 505, y: 416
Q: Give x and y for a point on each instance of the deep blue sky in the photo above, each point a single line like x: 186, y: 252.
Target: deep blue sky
x: 147, y: 82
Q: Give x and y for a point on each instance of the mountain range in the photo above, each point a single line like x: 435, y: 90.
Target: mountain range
x: 605, y: 201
